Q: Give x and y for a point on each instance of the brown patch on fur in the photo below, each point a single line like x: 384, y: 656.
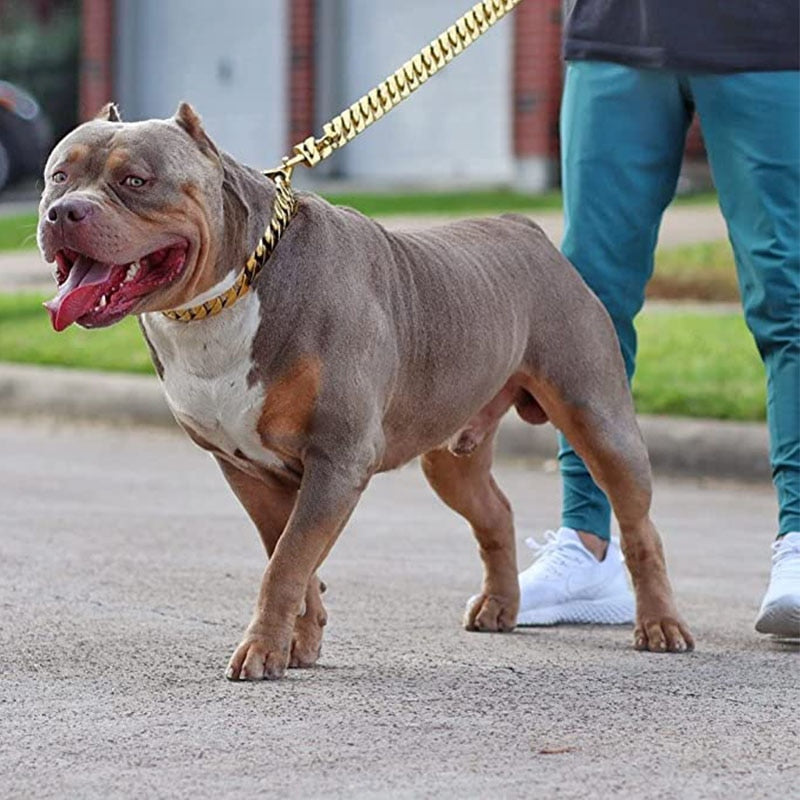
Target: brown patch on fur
x: 268, y: 502
x: 116, y: 158
x: 529, y: 409
x: 76, y: 153
x: 289, y: 406
x: 199, y: 276
x: 203, y: 276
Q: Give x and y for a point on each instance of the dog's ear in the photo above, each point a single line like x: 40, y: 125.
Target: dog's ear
x: 188, y: 119
x: 109, y: 113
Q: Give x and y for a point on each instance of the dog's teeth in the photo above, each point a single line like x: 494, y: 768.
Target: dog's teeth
x: 132, y: 270
x: 103, y: 301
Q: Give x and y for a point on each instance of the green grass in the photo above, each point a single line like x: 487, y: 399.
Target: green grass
x: 26, y: 337
x: 703, y: 271
x: 18, y: 232
x: 380, y: 204
x: 690, y: 363
x: 698, y: 365
x: 696, y: 199
x: 469, y: 202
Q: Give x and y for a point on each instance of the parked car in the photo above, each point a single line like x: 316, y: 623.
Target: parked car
x: 25, y: 134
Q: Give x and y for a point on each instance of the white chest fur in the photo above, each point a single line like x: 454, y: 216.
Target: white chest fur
x: 206, y: 368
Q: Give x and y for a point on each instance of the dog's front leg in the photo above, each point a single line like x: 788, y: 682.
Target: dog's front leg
x: 269, y: 503
x: 328, y: 494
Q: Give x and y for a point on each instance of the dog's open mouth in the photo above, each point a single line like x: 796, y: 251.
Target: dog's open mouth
x: 95, y: 294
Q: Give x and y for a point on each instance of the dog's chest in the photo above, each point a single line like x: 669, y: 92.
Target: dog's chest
x: 206, y: 378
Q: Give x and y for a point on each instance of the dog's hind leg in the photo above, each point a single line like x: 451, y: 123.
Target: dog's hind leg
x: 269, y: 505
x: 465, y: 483
x: 596, y: 415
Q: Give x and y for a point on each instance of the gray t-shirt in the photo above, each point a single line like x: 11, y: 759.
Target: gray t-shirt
x: 686, y: 35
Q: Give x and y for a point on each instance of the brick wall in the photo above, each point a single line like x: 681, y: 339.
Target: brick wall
x: 301, y: 70
x: 538, y: 83
x: 695, y: 149
x: 537, y: 78
x: 96, y: 76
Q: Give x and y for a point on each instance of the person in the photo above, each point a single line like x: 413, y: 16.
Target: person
x: 636, y: 73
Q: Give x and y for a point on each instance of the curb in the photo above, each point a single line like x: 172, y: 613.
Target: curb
x: 684, y: 447
x: 698, y: 448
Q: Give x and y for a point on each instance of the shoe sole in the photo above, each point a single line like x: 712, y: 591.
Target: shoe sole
x: 781, y: 618
x: 609, y: 611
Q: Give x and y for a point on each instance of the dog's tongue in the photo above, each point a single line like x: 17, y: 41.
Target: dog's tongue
x: 79, y: 293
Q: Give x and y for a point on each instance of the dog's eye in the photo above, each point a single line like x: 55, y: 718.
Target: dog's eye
x: 134, y: 181
x: 58, y: 177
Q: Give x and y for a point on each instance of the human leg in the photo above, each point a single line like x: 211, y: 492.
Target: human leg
x: 751, y: 123
x: 622, y: 135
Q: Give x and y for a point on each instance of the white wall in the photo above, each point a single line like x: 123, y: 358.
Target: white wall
x: 455, y: 128
x: 228, y: 59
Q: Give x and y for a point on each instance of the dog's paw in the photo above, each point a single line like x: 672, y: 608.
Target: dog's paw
x: 304, y: 652
x: 256, y: 659
x: 491, y: 613
x: 307, y: 635
x: 307, y: 640
x: 662, y: 634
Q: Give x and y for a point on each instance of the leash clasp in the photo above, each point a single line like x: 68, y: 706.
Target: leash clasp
x: 284, y: 171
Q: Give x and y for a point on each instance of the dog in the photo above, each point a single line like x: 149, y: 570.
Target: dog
x: 356, y: 351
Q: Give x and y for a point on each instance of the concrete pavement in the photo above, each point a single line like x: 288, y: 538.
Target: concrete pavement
x: 127, y: 572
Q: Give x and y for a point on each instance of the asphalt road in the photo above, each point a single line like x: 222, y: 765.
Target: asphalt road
x: 127, y: 573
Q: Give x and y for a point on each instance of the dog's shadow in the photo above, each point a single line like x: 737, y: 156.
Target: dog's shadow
x: 784, y: 644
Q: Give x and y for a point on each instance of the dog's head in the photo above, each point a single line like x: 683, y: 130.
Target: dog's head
x: 132, y: 216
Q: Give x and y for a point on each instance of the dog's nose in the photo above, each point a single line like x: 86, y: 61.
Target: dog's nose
x: 70, y: 209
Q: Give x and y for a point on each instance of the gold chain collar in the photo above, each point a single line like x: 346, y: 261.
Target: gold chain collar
x: 282, y: 211
x: 343, y: 128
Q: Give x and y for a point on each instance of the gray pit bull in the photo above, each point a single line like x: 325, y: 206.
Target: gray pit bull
x: 357, y: 351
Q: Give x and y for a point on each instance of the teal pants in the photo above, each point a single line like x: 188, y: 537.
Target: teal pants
x: 622, y: 140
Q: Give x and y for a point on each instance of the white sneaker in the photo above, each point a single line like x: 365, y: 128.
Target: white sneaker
x: 780, y: 609
x: 567, y: 584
